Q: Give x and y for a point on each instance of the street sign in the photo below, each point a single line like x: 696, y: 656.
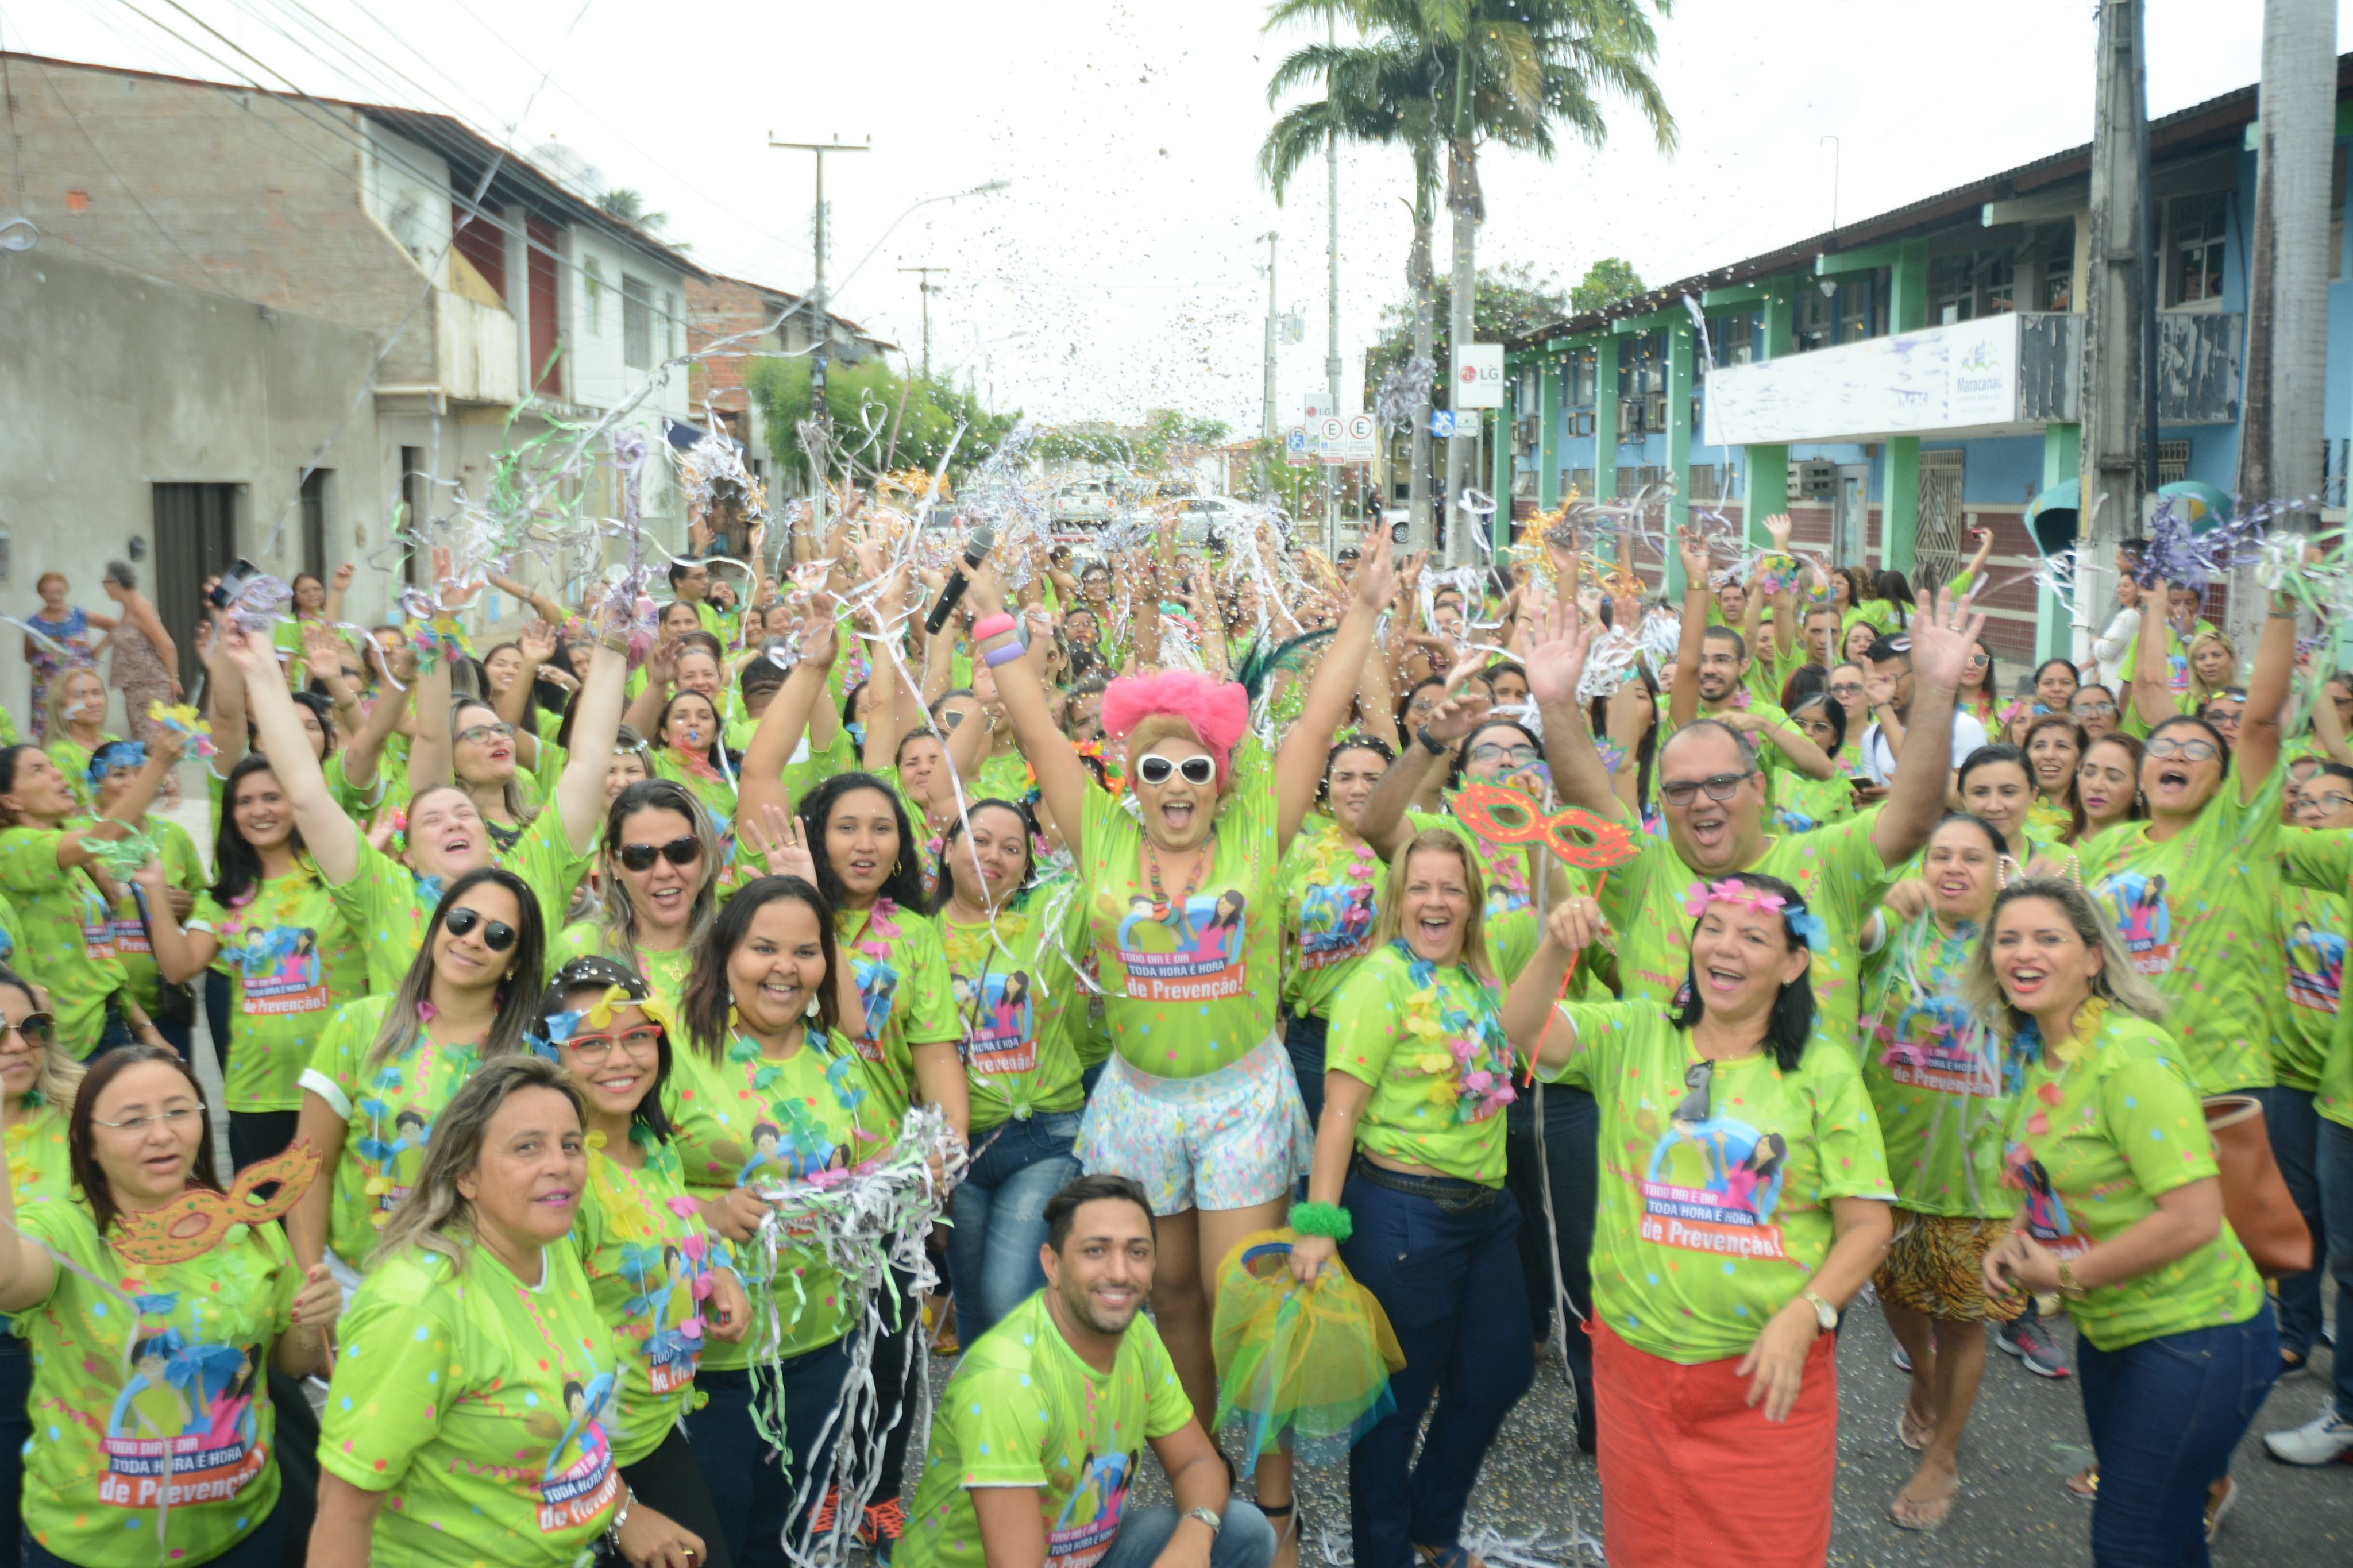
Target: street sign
x: 1319, y: 404
x: 1442, y: 422
x: 1478, y: 376
x: 1345, y: 438
x: 1296, y: 448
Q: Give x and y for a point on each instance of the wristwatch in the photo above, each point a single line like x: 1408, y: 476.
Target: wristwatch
x: 1435, y: 748
x: 1207, y: 1516
x: 1825, y: 1315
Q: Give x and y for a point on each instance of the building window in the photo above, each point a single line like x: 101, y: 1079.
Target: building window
x: 1952, y: 285
x: 1580, y: 380
x: 2172, y: 462
x: 1999, y: 277
x: 1733, y: 339
x: 2058, y: 292
x: 1855, y: 314
x: 637, y: 323
x: 1579, y: 483
x: 592, y: 278
x: 1813, y: 330
x: 2193, y: 235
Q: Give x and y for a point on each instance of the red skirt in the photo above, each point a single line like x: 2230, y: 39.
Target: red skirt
x: 1690, y: 1474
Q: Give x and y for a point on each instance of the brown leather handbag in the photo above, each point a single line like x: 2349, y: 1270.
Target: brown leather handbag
x: 2254, y: 1196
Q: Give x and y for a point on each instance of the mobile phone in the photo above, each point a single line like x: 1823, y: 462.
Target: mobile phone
x: 232, y: 583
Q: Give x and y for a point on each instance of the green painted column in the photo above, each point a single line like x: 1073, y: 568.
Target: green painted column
x: 1499, y: 527
x: 1548, y: 402
x: 1605, y: 425
x: 2063, y: 460
x: 1765, y: 470
x: 1680, y: 342
x: 1899, y: 514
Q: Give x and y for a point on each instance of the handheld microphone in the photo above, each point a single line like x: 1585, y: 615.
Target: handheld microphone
x: 975, y: 551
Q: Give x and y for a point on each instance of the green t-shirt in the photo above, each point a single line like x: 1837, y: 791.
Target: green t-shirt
x: 184, y: 869
x: 1189, y: 989
x: 1331, y: 895
x: 1836, y: 870
x: 903, y: 980
x: 292, y: 961
x: 750, y: 1120
x: 161, y: 1370
x: 39, y: 1164
x: 1015, y: 992
x: 649, y: 1259
x: 665, y: 972
x: 1934, y: 1074
x: 2195, y: 915
x: 477, y: 1404
x: 715, y: 790
x: 391, y: 906
x: 1714, y: 1215
x: 1002, y: 775
x: 1800, y: 803
x: 389, y: 1112
x: 2092, y: 1146
x: 73, y: 761
x: 2315, y: 866
x: 69, y: 932
x: 1429, y: 1041
x: 1024, y: 1411
x: 13, y: 950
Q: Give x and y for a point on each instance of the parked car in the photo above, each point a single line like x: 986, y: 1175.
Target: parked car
x: 1211, y: 520
x: 1083, y: 501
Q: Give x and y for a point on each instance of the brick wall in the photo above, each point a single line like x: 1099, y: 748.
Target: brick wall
x: 723, y: 307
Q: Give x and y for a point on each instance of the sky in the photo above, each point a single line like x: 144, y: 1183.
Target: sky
x: 1121, y: 268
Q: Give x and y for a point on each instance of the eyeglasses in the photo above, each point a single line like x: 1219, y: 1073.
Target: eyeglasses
x: 1494, y: 752
x: 34, y: 1034
x: 642, y: 1041
x: 2095, y: 709
x: 476, y: 734
x: 176, y: 1116
x: 1846, y: 689
x: 2187, y: 750
x: 1155, y: 769
x: 497, y: 935
x: 678, y: 852
x: 1722, y: 787
x: 2320, y: 804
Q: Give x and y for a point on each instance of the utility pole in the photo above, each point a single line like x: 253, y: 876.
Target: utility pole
x: 821, y: 334
x: 1332, y: 305
x: 1268, y: 432
x: 2281, y: 426
x: 2115, y: 298
x: 926, y: 288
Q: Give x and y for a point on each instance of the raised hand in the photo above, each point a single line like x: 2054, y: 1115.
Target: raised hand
x: 537, y: 642
x: 1691, y: 549
x: 1455, y: 717
x: 775, y: 836
x: 343, y: 576
x: 1555, y: 661
x: 1941, y: 642
x: 1377, y: 573
x: 252, y: 652
x: 1777, y: 529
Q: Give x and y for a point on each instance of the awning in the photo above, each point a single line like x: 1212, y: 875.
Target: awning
x: 2202, y: 504
x: 2051, y: 516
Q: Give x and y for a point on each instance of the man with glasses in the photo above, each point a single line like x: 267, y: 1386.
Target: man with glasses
x: 1890, y: 687
x: 1712, y: 677
x: 1713, y: 800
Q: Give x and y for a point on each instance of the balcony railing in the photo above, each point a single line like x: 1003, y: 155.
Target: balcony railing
x: 478, y: 353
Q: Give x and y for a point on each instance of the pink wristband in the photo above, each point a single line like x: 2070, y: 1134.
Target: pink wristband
x: 997, y: 624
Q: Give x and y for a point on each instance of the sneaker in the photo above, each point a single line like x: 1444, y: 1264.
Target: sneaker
x: 886, y: 1521
x: 2325, y: 1439
x: 827, y: 1513
x: 2025, y: 1338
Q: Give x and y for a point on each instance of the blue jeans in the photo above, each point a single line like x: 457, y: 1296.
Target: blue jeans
x: 1569, y: 1165
x: 1246, y: 1541
x: 1000, y: 1217
x: 2336, y: 1199
x: 1303, y: 1035
x: 258, y: 1550
x: 1436, y: 1274
x: 2294, y: 1127
x: 2164, y: 1416
x: 753, y: 1501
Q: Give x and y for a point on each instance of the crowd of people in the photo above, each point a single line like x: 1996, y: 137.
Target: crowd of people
x: 540, y: 974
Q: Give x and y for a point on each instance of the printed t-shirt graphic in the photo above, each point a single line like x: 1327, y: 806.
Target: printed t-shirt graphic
x: 646, y: 1254
x: 1015, y: 992
x: 902, y: 984
x: 747, y: 1120
x: 156, y: 1381
x: 1429, y: 1041
x: 1716, y: 1205
x: 2314, y: 1051
x: 1331, y: 895
x: 478, y: 1403
x: 1934, y: 1074
x: 2093, y: 1143
x: 1023, y: 1410
x: 291, y: 959
x: 2197, y: 914
x: 1195, y: 983
x: 390, y: 1110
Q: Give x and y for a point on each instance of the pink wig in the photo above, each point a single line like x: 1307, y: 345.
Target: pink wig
x: 1217, y: 710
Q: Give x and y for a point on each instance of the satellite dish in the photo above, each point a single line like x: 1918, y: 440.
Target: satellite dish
x: 571, y: 168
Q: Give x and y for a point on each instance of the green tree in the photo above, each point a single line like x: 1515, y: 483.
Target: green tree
x: 918, y: 417
x: 629, y: 206
x: 1606, y: 282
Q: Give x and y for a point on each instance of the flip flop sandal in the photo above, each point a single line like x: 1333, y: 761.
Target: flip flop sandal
x: 1904, y: 1430
x: 1933, y: 1515
x: 2085, y: 1483
x: 1447, y: 1557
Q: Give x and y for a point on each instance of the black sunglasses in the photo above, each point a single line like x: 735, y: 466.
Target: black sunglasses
x: 1721, y: 786
x: 1155, y: 769
x: 678, y: 852
x: 497, y: 935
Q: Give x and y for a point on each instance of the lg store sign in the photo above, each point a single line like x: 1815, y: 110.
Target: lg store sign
x: 1479, y: 376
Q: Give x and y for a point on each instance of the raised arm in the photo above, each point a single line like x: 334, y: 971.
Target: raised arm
x: 1682, y: 700
x: 27, y: 1273
x: 1062, y: 779
x: 1383, y: 822
x: 545, y: 608
x: 432, y: 754
x: 1299, y: 765
x: 1555, y: 666
x: 332, y: 838
x: 761, y: 784
x: 1941, y: 640
x: 595, y: 725
x: 1531, y: 1016
x: 226, y: 704
x: 2261, y: 727
x: 2152, y: 673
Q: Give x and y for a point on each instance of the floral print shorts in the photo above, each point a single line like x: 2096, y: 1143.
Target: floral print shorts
x: 1232, y: 1139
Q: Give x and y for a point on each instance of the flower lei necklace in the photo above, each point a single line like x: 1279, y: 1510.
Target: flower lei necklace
x: 1461, y: 1050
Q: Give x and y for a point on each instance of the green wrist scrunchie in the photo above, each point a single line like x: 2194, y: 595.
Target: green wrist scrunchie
x: 1322, y: 1219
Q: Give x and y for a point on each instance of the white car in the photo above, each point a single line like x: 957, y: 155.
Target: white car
x: 1083, y: 501
x: 1201, y: 518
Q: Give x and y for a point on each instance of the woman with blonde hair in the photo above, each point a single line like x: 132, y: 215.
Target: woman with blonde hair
x: 476, y: 1343
x: 1407, y: 1189
x: 2120, y: 1213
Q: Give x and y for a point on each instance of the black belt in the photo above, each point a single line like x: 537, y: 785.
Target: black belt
x: 1451, y: 1196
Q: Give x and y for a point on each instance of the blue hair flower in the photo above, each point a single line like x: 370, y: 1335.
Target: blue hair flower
x: 1810, y: 929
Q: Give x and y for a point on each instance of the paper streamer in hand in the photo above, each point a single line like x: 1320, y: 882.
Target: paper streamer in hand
x: 1307, y: 1362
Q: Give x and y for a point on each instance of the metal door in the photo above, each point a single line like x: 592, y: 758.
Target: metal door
x: 1851, y: 515
x: 195, y: 538
x: 1939, y: 552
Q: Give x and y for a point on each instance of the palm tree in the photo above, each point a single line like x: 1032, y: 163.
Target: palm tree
x: 1509, y: 71
x: 1381, y: 93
